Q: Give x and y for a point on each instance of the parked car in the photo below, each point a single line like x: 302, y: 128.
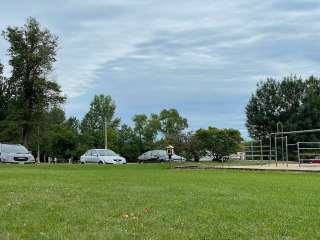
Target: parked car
x: 158, y: 156
x: 102, y: 156
x: 15, y: 153
x: 208, y: 157
x: 316, y: 159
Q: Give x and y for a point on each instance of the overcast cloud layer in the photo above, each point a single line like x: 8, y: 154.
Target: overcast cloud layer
x: 202, y: 57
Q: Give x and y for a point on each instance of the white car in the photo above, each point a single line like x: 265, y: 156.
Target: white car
x: 102, y: 156
x: 15, y: 153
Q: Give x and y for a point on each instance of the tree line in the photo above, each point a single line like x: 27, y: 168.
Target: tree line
x: 31, y: 111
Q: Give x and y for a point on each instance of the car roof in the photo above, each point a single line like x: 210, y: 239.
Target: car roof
x: 11, y: 144
x: 99, y: 149
x: 156, y: 150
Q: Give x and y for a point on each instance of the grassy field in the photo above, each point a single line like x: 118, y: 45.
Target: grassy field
x: 153, y: 202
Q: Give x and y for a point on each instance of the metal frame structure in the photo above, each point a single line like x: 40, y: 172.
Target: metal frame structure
x: 293, y: 132
x: 280, y: 134
x: 253, y: 151
x: 301, y: 149
x: 283, y: 153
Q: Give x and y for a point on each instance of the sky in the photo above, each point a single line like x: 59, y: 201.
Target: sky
x: 202, y: 57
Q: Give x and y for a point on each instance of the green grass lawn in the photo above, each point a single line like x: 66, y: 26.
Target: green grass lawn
x: 153, y: 202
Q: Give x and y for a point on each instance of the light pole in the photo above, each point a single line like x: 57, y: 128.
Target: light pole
x: 280, y: 125
x: 38, y: 146
x: 105, y: 133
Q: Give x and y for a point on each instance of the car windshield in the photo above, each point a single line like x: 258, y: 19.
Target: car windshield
x: 18, y: 149
x: 104, y: 152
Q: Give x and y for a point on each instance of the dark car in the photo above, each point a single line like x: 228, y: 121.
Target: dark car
x: 158, y: 156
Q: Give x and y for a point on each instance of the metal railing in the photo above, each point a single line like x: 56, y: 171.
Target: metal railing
x: 304, y: 151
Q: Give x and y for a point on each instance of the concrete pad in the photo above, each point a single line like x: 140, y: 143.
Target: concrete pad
x: 272, y: 167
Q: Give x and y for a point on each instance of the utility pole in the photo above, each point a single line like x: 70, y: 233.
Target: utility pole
x: 105, y: 133
x: 38, y: 152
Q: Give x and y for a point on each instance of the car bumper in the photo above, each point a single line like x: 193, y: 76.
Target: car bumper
x: 18, y: 162
x: 117, y: 163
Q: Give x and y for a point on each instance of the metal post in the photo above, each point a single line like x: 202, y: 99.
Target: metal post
x: 298, y: 147
x: 282, y: 149
x: 252, y: 150
x: 279, y: 124
x: 106, y: 133
x: 287, y: 151
x: 38, y: 152
x: 275, y: 151
x: 270, y: 149
x: 261, y: 151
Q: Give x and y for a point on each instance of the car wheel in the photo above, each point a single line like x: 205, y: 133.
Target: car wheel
x: 100, y: 162
x: 81, y: 162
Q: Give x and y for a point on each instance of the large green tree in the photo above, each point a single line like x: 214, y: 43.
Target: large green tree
x: 147, y: 130
x: 219, y: 142
x: 171, y: 122
x: 102, y: 109
x: 63, y: 141
x: 128, y: 143
x: 32, y: 52
x: 293, y: 101
x: 4, y: 94
x: 140, y: 124
x: 193, y: 148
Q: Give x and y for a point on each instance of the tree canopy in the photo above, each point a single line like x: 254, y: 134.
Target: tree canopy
x: 32, y: 52
x: 293, y: 101
x: 219, y: 142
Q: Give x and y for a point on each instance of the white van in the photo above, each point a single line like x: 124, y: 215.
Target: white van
x: 15, y: 153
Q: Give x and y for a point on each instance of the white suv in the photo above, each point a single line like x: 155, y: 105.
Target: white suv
x: 15, y: 153
x: 102, y: 156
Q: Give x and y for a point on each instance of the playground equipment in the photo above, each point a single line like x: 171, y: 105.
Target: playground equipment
x: 258, y: 150
x: 306, y: 151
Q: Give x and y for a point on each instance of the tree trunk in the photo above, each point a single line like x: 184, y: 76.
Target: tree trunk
x: 25, y: 135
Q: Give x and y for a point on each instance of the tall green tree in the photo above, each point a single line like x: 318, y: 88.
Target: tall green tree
x: 152, y: 131
x: 32, y: 52
x: 4, y: 94
x: 63, y: 142
x: 293, y: 101
x: 147, y: 130
x: 140, y: 124
x: 102, y: 109
x: 192, y: 147
x: 129, y: 143
x: 171, y: 122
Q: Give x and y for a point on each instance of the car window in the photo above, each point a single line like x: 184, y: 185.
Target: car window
x: 88, y: 153
x: 94, y: 153
x: 106, y: 152
x: 146, y: 153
